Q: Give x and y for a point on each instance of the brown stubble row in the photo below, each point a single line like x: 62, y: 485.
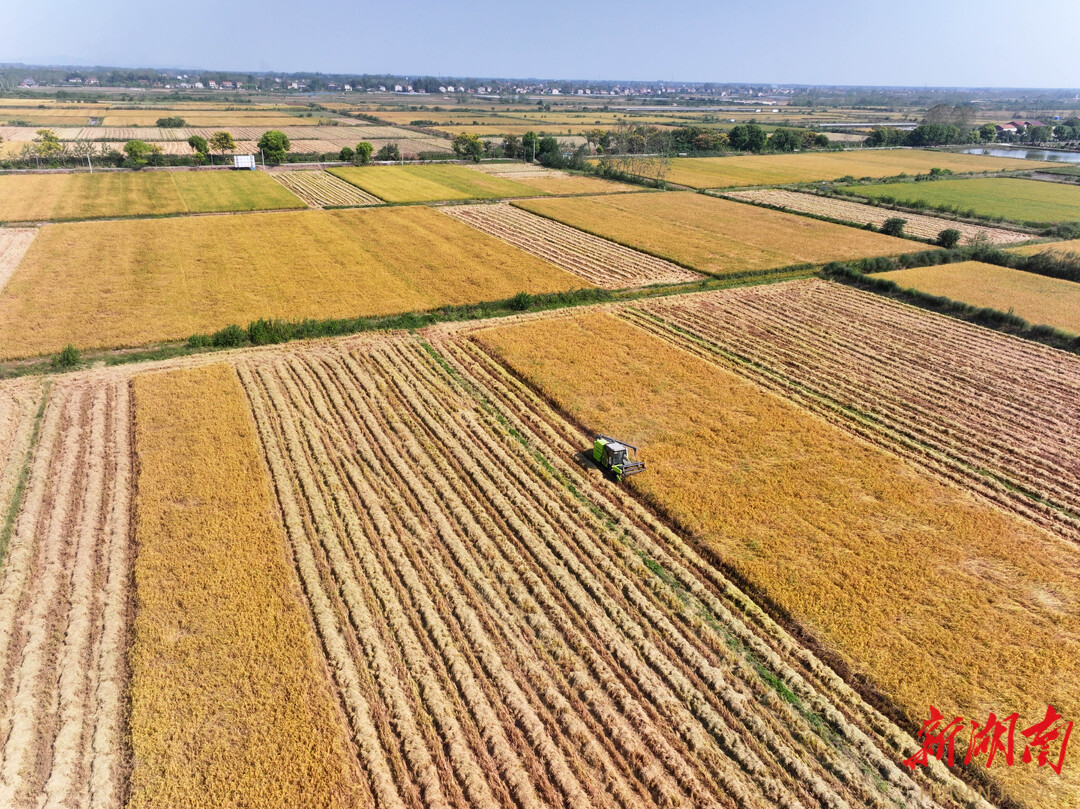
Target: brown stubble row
x: 993, y: 413
x: 597, y: 260
x: 495, y: 622
x: 64, y: 607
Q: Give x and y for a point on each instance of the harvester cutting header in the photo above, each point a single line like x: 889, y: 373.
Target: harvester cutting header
x: 611, y: 454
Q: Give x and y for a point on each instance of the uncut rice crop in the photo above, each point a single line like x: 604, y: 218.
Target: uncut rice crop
x: 230, y: 703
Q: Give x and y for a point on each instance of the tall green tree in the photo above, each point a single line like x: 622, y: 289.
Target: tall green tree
x: 468, y: 146
x: 222, y: 142
x: 274, y: 145
x: 389, y: 152
x: 363, y: 153
x: 48, y: 144
x: 200, y: 147
x: 139, y: 152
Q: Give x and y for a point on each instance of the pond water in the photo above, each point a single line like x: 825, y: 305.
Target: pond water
x: 1049, y: 155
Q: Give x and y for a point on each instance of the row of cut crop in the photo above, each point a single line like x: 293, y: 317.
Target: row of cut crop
x: 64, y: 608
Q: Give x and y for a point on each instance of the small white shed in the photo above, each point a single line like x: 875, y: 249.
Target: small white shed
x: 244, y: 161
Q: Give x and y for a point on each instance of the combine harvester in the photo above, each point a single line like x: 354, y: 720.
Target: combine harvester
x: 610, y: 454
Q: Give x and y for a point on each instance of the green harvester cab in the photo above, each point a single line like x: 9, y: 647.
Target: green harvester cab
x: 611, y: 455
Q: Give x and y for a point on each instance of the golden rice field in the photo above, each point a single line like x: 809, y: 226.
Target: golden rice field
x: 1036, y: 298
x: 508, y: 631
x: 56, y: 197
x: 359, y: 626
x: 132, y: 282
x: 933, y: 595
x: 727, y: 172
x: 430, y: 183
x: 1070, y: 247
x: 230, y: 699
x: 713, y: 235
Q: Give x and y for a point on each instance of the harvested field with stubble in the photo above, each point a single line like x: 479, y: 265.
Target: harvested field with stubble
x: 925, y: 227
x: 506, y: 631
x: 597, y: 260
x: 64, y: 613
x: 113, y: 284
x: 911, y: 581
x: 714, y: 235
x: 230, y: 700
x: 320, y: 188
x: 1036, y: 298
x: 14, y: 242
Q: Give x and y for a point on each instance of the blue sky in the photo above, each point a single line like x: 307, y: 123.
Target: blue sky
x: 986, y: 43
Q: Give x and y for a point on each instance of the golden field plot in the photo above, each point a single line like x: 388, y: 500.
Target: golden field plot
x: 26, y: 198
x: 597, y: 260
x: 1066, y: 248
x: 429, y: 183
x: 230, y: 703
x: 320, y: 188
x: 926, y: 227
x: 14, y: 242
x: 1020, y: 200
x: 1036, y: 298
x: 958, y: 418
x: 713, y: 235
x: 64, y: 588
x: 548, y: 181
x: 506, y: 631
x: 726, y: 172
x: 933, y: 595
x: 107, y: 284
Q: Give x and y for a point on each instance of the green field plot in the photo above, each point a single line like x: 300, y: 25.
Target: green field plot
x: 1029, y: 201
x: 58, y: 197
